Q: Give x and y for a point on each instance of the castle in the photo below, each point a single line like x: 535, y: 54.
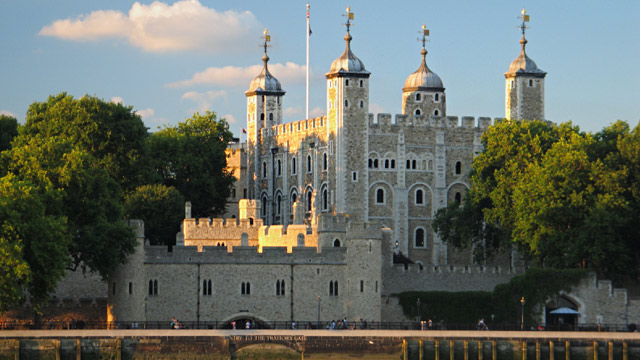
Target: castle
x: 331, y: 216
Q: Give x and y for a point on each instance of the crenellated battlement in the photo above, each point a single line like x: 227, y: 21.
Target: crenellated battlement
x: 451, y: 122
x: 243, y: 255
x: 455, y: 269
x: 300, y: 126
x: 364, y: 230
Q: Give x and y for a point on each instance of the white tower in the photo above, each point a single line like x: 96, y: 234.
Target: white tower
x: 524, y: 86
x: 347, y: 109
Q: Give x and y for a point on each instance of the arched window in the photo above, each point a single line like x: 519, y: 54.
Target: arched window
x: 418, y: 98
x: 150, y: 287
x: 419, y: 238
x: 281, y: 287
x: 458, y: 197
x: 330, y: 288
x: 361, y: 83
x: 458, y: 168
x: 370, y: 163
x: 386, y: 163
x: 346, y: 103
x: 293, y: 166
x: 408, y: 164
x: 325, y: 162
x: 436, y: 97
x: 413, y: 164
x: 308, y: 163
x: 361, y: 102
x: 436, y: 112
x: 325, y: 198
x: 264, y: 169
x: 278, y: 204
x: 309, y: 202
x: 262, y: 116
x: 380, y: 196
x: 418, y: 112
x: 530, y: 83
x: 336, y: 242
x: 335, y: 288
x: 430, y: 164
x: 155, y: 287
x: 419, y: 197
x: 393, y: 164
x: 271, y: 116
x: 346, y: 82
x: 264, y: 206
x: 294, y: 198
x: 375, y: 163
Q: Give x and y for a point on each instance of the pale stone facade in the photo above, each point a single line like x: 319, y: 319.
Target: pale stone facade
x: 336, y: 211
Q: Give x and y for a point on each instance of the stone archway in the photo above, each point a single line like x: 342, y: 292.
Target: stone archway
x: 561, y: 321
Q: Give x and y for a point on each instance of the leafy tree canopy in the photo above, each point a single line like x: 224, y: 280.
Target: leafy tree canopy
x: 161, y: 208
x: 564, y: 198
x: 33, y: 243
x: 191, y: 157
x: 112, y: 133
x: 8, y: 130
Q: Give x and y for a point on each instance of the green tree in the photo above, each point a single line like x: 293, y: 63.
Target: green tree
x: 191, y: 157
x: 161, y: 208
x: 8, y: 130
x: 112, y: 133
x: 33, y: 243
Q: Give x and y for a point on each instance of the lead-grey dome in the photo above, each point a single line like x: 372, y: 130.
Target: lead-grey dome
x: 523, y: 65
x: 423, y: 79
x: 347, y: 62
x: 265, y: 82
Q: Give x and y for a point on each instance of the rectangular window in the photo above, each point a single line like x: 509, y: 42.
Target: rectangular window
x: 244, y: 193
x: 361, y: 285
x: 354, y: 176
x: 130, y: 288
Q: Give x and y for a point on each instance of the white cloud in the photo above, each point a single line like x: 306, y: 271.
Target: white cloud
x: 292, y: 111
x: 376, y: 108
x: 315, y: 112
x: 116, y: 100
x: 204, y: 100
x: 146, y: 113
x: 160, y: 27
x: 289, y: 73
x: 230, y: 118
x: 7, y: 113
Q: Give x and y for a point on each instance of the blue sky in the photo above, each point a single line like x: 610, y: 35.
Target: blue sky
x: 169, y: 59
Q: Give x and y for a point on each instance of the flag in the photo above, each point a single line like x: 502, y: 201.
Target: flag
x: 525, y: 18
x: 244, y: 131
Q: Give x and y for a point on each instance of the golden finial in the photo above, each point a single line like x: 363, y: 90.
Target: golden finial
x: 348, y: 8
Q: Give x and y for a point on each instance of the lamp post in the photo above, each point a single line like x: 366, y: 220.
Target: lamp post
x: 318, y: 300
x: 522, y: 313
x: 419, y: 304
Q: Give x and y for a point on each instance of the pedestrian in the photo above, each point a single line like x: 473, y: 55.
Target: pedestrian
x: 247, y: 325
x: 293, y: 325
x: 233, y: 325
x: 482, y: 325
x: 173, y: 323
x: 429, y: 324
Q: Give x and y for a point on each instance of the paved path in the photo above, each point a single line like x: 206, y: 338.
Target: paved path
x: 430, y: 334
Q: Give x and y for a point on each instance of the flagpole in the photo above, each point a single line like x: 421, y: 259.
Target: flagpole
x: 307, y: 97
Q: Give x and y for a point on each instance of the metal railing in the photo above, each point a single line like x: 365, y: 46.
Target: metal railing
x: 302, y: 325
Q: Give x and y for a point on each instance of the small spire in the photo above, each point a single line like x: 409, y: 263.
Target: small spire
x: 523, y: 27
x: 423, y: 39
x: 349, y: 16
x: 267, y: 39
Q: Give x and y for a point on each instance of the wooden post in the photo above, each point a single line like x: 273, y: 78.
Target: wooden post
x: 16, y: 350
x: 480, y: 350
x: 56, y: 345
x: 466, y: 350
x: 537, y: 350
x: 610, y: 350
x: 78, y: 349
x: 552, y: 346
x: 451, y: 348
x: 567, y: 350
x: 494, y: 355
x: 595, y: 350
x: 625, y: 356
x: 405, y: 356
x: 421, y: 350
x: 119, y: 349
x: 524, y: 350
x: 437, y: 350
